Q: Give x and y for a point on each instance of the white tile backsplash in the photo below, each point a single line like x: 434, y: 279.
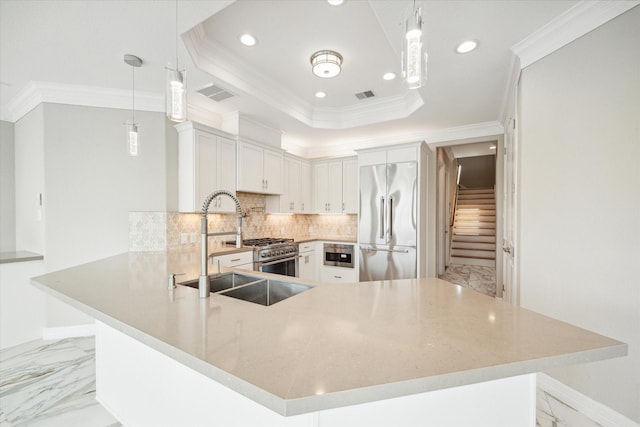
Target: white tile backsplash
x: 154, y: 231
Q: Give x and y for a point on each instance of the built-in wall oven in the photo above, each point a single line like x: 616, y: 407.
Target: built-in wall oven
x: 274, y: 255
x: 338, y: 255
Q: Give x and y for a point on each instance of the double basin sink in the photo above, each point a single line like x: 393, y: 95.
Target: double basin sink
x: 251, y: 288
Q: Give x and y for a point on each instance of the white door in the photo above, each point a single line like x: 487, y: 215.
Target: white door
x: 226, y: 172
x: 350, y: 186
x: 273, y: 172
x: 509, y: 237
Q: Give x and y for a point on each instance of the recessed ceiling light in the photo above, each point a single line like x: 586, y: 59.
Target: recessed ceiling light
x: 467, y: 46
x: 492, y: 147
x: 335, y: 2
x: 389, y: 76
x: 320, y: 94
x: 248, y: 40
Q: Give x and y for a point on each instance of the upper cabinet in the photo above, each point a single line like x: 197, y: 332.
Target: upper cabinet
x: 336, y: 186
x: 296, y: 194
x: 206, y: 163
x: 260, y: 168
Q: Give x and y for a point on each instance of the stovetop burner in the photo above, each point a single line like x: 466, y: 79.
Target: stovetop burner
x: 264, y: 241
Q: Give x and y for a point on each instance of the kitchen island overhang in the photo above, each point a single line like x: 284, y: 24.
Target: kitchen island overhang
x: 332, y: 346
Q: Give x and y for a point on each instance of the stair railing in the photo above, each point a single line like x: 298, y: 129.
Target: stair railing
x: 455, y: 206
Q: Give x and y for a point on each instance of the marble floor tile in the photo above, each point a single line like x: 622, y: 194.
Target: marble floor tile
x: 478, y: 278
x: 50, y: 383
x: 552, y: 412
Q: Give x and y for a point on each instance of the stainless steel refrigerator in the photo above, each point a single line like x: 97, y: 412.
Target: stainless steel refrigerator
x: 387, y: 228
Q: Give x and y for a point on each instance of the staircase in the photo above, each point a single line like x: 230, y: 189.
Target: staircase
x: 473, y: 241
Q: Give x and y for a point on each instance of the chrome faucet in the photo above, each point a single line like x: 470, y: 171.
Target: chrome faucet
x: 203, y: 280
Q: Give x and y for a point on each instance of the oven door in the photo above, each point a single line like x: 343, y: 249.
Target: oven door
x: 285, y: 266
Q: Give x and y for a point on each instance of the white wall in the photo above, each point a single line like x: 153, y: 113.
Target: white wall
x: 77, y: 157
x: 580, y: 199
x: 7, y: 188
x: 29, y: 181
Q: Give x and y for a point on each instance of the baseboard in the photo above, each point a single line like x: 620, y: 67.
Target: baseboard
x: 598, y: 412
x: 68, y: 332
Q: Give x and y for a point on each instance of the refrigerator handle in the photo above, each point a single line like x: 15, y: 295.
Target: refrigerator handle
x: 390, y: 217
x: 382, y: 217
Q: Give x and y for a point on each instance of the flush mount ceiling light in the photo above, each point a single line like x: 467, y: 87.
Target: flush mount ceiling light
x: 176, y: 88
x: 335, y: 2
x: 133, y: 147
x: 467, y: 46
x: 414, y: 60
x: 326, y: 63
x: 320, y: 94
x: 389, y: 76
x: 248, y: 40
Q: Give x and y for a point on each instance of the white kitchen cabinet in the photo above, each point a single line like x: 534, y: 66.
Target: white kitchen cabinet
x: 206, y: 163
x: 296, y: 189
x: 331, y: 274
x: 308, y: 263
x: 350, y: 186
x: 260, y: 168
x: 241, y: 260
x: 336, y: 186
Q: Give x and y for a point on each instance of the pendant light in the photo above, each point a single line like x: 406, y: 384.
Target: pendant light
x: 133, y: 141
x: 414, y: 60
x: 176, y: 88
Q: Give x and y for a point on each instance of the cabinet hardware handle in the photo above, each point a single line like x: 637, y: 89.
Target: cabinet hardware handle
x: 390, y: 217
x: 342, y: 206
x: 338, y: 277
x: 235, y: 260
x: 382, y: 217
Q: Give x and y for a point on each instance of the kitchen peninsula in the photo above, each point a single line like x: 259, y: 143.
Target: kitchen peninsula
x: 337, y: 354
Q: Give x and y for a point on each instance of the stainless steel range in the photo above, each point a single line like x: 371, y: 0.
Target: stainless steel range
x: 274, y: 255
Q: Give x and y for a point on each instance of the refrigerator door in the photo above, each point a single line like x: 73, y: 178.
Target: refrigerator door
x: 381, y: 262
x: 373, y: 204
x: 401, y: 210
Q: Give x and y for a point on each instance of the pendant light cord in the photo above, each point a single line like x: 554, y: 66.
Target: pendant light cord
x: 133, y: 94
x: 177, y: 68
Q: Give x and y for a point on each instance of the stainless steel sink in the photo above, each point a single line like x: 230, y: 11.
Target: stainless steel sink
x: 267, y: 292
x: 221, y: 282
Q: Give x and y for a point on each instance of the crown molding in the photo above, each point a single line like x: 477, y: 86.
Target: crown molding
x: 572, y: 24
x: 223, y: 65
x: 466, y: 134
x: 35, y: 93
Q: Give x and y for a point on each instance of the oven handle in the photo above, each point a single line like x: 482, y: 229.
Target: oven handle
x: 264, y: 264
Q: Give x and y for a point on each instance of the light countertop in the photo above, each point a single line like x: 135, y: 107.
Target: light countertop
x: 334, y: 345
x: 19, y: 256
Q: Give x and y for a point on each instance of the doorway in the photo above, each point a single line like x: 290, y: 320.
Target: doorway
x: 469, y: 216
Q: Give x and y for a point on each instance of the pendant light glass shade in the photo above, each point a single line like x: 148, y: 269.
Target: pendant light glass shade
x: 176, y: 95
x: 133, y: 142
x: 414, y: 60
x: 133, y: 148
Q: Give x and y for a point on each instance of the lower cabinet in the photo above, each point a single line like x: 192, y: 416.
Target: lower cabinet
x: 308, y: 263
x: 333, y: 274
x: 241, y: 260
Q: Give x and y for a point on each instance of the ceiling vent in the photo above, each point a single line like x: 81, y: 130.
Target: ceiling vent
x: 215, y: 92
x: 366, y: 94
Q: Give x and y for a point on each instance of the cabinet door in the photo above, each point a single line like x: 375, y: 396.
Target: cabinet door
x: 205, y: 162
x: 307, y: 266
x: 225, y: 173
x: 321, y: 187
x: 335, y: 188
x: 304, y: 205
x: 291, y: 194
x: 272, y: 170
x: 350, y: 186
x: 250, y: 168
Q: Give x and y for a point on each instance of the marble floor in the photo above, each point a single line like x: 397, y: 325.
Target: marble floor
x: 479, y: 278
x: 52, y: 384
